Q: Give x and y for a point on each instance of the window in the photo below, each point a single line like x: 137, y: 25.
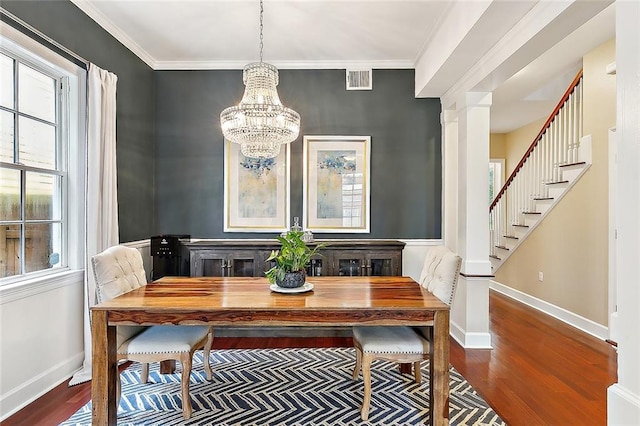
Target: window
x: 39, y: 135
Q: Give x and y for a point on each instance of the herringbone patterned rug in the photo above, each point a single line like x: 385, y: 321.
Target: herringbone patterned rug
x: 288, y: 387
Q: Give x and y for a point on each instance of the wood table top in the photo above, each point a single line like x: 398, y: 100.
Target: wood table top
x: 235, y: 300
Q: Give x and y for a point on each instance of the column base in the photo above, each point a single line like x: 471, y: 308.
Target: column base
x: 623, y: 407
x: 470, y: 340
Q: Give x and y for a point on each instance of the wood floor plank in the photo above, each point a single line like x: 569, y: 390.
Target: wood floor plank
x: 539, y: 372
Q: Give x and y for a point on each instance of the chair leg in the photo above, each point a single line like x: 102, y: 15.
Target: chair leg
x: 356, y: 369
x: 185, y: 360
x: 205, y: 354
x: 118, y: 390
x: 366, y: 375
x: 417, y: 372
x: 144, y: 375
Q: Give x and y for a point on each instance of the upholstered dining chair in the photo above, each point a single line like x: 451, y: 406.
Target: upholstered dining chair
x: 118, y: 270
x: 406, y: 345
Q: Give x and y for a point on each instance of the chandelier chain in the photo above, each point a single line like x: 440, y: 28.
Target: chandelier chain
x: 261, y: 27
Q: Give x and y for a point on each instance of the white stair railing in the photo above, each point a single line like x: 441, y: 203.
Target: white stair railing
x: 555, y: 146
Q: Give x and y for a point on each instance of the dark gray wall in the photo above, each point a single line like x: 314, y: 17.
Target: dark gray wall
x: 188, y: 155
x: 405, y: 147
x: 65, y: 23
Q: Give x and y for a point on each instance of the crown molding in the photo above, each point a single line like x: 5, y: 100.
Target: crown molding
x: 238, y: 65
x: 119, y: 35
x: 115, y: 31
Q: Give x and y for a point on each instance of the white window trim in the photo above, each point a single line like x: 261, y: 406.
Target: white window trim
x: 32, y: 286
x: 30, y: 51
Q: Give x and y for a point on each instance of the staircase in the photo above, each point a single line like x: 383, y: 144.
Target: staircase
x: 555, y: 161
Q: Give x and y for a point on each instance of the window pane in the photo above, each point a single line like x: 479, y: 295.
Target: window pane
x: 7, y: 133
x: 9, y: 250
x: 42, y: 197
x: 9, y: 194
x: 37, y: 143
x: 36, y: 93
x: 42, y: 246
x: 6, y: 81
x: 349, y: 267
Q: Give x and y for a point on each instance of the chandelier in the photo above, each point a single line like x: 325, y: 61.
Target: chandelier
x: 260, y: 123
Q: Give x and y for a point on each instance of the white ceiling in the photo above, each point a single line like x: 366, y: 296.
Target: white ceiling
x: 447, y: 42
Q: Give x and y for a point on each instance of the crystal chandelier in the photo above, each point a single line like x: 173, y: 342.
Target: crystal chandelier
x: 260, y: 123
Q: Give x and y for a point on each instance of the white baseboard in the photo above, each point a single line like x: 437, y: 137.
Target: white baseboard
x: 470, y: 340
x: 23, y: 395
x: 574, y: 320
x: 623, y: 407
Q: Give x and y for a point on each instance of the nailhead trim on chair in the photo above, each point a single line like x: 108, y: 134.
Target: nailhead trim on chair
x: 390, y: 340
x: 164, y: 339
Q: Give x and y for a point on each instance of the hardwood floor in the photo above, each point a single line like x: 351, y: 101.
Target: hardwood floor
x: 540, y: 371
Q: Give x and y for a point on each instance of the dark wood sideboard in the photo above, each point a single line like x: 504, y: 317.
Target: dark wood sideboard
x: 248, y: 258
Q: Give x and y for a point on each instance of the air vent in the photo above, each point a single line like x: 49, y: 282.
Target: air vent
x: 359, y: 80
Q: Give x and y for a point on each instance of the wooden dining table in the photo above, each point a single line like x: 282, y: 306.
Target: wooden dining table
x: 234, y: 301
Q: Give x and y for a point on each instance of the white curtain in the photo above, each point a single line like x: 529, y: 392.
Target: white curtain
x: 101, y: 191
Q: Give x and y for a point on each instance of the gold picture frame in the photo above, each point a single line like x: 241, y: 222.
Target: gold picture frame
x: 336, y: 187
x: 256, y: 191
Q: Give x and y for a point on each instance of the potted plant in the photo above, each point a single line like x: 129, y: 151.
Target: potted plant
x: 291, y: 260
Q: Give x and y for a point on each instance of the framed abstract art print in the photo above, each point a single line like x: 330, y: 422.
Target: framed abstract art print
x: 336, y: 186
x: 256, y: 191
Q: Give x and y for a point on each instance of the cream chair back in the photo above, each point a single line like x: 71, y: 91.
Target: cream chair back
x: 440, y: 273
x: 431, y: 261
x: 445, y: 277
x: 118, y: 270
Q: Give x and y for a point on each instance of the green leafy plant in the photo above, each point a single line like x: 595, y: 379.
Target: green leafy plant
x: 294, y: 256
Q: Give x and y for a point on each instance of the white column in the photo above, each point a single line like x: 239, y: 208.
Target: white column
x: 470, y: 312
x: 623, y: 397
x: 449, y: 122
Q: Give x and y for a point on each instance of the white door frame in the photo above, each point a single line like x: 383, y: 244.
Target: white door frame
x: 613, y: 184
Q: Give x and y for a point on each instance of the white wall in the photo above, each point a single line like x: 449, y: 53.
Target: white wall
x: 41, y: 338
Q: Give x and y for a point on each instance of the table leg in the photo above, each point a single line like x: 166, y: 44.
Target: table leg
x: 439, y: 370
x: 104, y: 369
